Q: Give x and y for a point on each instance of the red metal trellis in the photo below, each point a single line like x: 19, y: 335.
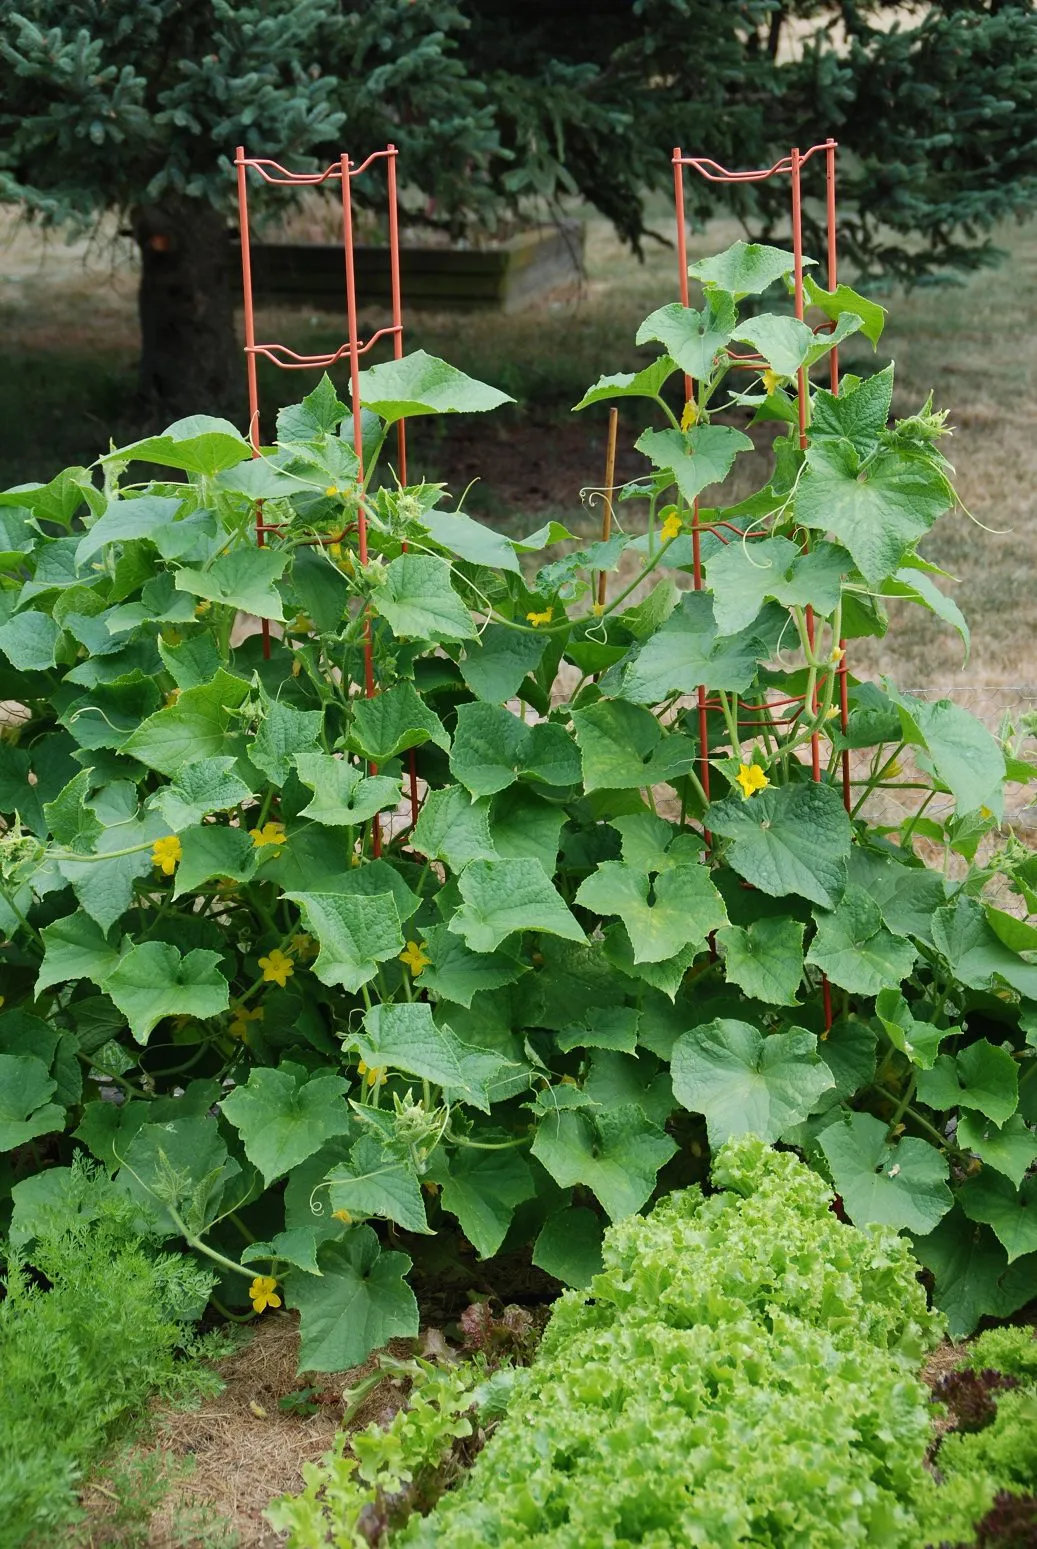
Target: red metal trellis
x: 342, y: 171
x: 791, y: 165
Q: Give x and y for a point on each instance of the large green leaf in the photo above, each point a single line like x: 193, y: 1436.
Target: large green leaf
x: 193, y: 728
x: 297, y: 1246
x: 376, y: 1181
x: 981, y: 1076
x: 834, y: 303
x: 343, y: 796
x: 75, y: 948
x: 495, y: 665
x: 29, y: 640
x: 631, y: 384
x: 458, y: 975
x: 976, y: 957
x: 788, y: 839
x: 482, y: 1189
x: 480, y: 545
x: 357, y: 1304
x: 651, y: 843
x: 964, y: 754
x: 453, y: 828
x: 744, y: 268
x: 920, y: 1041
x: 680, y: 908
x: 877, y: 508
x: 697, y: 457
x: 241, y: 578
x: 181, y: 1163
x: 524, y: 825
x: 854, y: 948
x: 403, y: 1036
x: 73, y: 824
x: 284, y: 732
x: 285, y: 1115
x: 902, y: 1185
x: 693, y: 339
x: 569, y: 1246
x: 153, y: 981
x: 972, y: 1274
x: 1004, y: 1206
x: 616, y: 1153
x: 857, y: 414
x: 393, y: 721
x: 742, y: 576
x: 602, y: 1027
x: 907, y: 894
x: 207, y: 786
x: 356, y: 932
x: 1010, y: 1148
x: 688, y: 653
x: 423, y: 384
x: 214, y: 852
x: 201, y: 443
x: 505, y: 896
x: 139, y: 517
x: 493, y: 748
x: 25, y: 1112
x: 623, y: 747
x: 104, y: 886
x: 784, y: 342
x: 106, y: 715
x: 746, y: 1083
x: 765, y: 959
x: 418, y: 602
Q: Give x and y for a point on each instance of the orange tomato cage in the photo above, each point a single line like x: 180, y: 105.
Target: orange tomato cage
x: 790, y: 166
x: 342, y: 171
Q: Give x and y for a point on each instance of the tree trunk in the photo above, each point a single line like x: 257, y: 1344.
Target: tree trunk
x: 190, y: 361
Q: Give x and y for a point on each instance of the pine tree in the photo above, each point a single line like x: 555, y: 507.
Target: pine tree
x: 137, y: 105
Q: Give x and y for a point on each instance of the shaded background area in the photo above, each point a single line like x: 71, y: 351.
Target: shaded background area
x: 68, y: 315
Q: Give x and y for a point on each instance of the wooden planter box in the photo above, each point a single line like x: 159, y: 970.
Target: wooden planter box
x: 504, y: 278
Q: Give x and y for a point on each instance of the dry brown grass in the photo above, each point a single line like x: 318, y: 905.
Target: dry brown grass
x: 227, y: 1459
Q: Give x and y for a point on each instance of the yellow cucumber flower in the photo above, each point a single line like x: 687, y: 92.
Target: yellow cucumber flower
x: 277, y: 968
x: 770, y: 380
x: 752, y: 779
x: 670, y: 528
x: 239, y: 1022
x: 262, y: 1292
x: 414, y: 957
x: 690, y: 415
x: 374, y: 1074
x: 166, y: 854
x: 343, y: 1216
x: 536, y: 619
x: 270, y: 833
